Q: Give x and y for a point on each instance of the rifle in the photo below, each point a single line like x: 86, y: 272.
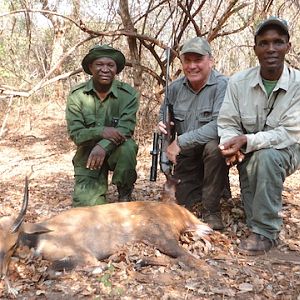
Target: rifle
x: 162, y: 141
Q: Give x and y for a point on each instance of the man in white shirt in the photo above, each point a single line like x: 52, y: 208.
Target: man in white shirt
x: 259, y: 127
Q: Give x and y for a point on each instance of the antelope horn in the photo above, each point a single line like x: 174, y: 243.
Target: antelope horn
x: 19, y: 220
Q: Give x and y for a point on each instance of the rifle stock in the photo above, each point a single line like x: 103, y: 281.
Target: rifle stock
x: 166, y: 139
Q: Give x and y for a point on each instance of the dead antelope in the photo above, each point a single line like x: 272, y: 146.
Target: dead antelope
x: 84, y: 235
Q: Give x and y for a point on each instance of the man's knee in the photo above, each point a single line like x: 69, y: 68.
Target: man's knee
x: 268, y: 159
x: 128, y: 150
x: 88, y: 192
x: 212, y: 155
x: 211, y: 149
x: 269, y: 154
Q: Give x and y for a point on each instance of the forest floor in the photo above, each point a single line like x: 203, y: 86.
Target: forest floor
x: 37, y: 145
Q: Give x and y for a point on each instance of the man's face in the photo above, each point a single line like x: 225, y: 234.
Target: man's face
x: 104, y: 70
x: 196, y: 68
x: 270, y: 48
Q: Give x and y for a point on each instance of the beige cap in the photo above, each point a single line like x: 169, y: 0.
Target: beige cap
x: 196, y: 45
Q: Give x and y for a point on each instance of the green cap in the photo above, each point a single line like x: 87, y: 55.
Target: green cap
x: 196, y: 45
x: 99, y: 51
x: 273, y: 21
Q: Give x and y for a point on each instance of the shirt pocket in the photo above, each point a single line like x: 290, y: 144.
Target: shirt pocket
x: 89, y: 120
x: 180, y: 117
x: 272, y: 122
x: 249, y: 124
x: 204, y: 116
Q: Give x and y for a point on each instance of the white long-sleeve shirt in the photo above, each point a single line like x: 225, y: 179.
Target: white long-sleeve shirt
x: 267, y: 122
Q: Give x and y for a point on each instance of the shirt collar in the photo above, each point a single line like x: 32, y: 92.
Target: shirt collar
x: 282, y: 83
x: 89, y: 87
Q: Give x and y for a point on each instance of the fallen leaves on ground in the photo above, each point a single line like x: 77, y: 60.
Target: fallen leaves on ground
x: 137, y: 271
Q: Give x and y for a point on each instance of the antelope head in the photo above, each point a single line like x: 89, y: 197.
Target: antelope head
x: 169, y: 190
x: 10, y: 229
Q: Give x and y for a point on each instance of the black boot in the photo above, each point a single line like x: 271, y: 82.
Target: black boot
x: 125, y: 194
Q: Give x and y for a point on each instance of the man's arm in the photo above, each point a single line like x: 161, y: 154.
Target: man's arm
x: 207, y: 132
x: 127, y: 120
x: 229, y: 119
x: 232, y: 138
x: 77, y: 129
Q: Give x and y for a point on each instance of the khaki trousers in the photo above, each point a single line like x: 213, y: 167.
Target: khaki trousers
x: 262, y: 174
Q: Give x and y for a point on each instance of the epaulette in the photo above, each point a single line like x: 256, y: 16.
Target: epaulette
x: 77, y: 87
x: 126, y: 87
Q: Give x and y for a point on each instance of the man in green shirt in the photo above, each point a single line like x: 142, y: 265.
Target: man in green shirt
x: 101, y: 118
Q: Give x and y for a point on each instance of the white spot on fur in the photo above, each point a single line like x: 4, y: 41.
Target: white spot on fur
x: 39, y: 247
x: 201, y: 230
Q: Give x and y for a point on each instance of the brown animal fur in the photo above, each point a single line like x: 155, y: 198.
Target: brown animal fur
x: 82, y: 236
x: 85, y: 235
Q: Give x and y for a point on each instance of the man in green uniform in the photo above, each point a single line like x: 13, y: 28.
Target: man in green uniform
x: 101, y: 118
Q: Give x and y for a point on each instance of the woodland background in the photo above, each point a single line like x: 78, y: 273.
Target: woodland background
x: 42, y: 44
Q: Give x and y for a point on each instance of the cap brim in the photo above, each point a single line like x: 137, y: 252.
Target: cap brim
x: 272, y: 22
x: 117, y: 56
x: 193, y: 51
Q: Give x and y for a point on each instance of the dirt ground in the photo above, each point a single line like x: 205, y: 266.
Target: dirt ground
x: 37, y: 145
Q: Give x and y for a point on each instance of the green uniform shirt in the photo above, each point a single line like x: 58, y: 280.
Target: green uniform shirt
x: 87, y: 116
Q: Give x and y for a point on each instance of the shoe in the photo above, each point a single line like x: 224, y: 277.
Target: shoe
x: 214, y: 220
x: 256, y: 244
x: 125, y: 194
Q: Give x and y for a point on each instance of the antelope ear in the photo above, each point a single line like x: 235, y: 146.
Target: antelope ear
x: 29, y: 228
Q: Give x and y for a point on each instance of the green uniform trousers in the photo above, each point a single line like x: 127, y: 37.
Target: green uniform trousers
x: 262, y: 174
x: 91, y: 189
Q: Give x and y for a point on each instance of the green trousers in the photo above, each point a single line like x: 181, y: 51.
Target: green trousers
x: 91, y: 187
x: 262, y: 175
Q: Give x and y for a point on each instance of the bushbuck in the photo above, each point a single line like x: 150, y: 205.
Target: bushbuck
x: 84, y: 235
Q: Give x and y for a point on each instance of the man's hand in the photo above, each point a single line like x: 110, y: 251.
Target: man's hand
x: 96, y: 158
x: 114, y: 135
x: 232, y: 146
x: 234, y: 159
x: 231, y: 149
x: 172, y: 151
x: 163, y: 128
